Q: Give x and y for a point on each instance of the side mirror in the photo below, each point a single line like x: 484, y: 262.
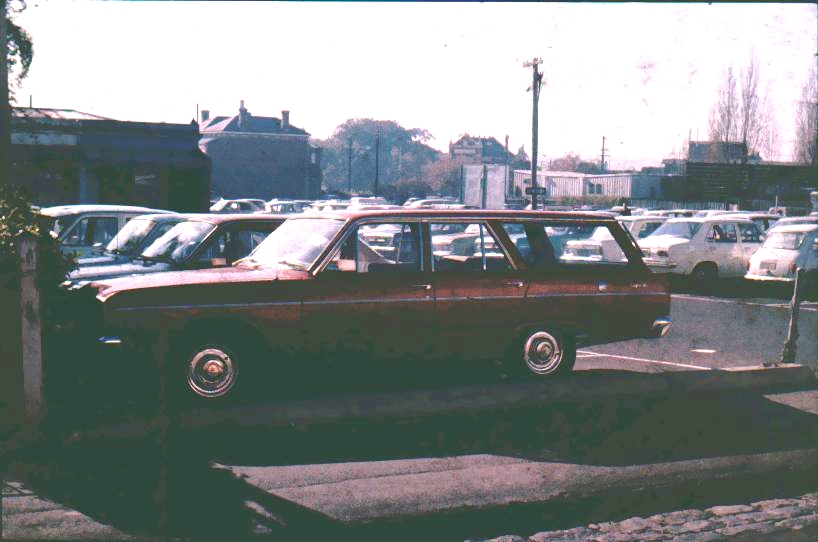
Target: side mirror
x: 98, y: 248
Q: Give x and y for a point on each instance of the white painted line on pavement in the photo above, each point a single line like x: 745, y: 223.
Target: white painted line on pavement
x: 703, y: 351
x: 783, y: 305
x: 674, y: 364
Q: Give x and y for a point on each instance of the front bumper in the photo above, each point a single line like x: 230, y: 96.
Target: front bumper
x: 768, y: 278
x: 661, y: 326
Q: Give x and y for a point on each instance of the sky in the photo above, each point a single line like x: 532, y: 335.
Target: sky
x: 643, y: 75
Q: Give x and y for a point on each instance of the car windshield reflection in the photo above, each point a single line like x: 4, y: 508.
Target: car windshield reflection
x: 684, y: 230
x: 296, y: 244
x: 179, y: 242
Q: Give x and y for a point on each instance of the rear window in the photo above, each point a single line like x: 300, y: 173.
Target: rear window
x: 566, y: 243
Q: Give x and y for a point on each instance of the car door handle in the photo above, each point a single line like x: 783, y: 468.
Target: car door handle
x: 515, y: 283
x: 422, y: 286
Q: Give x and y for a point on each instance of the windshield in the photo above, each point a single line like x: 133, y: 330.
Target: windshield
x: 296, y: 243
x: 786, y: 240
x: 685, y: 230
x: 130, y: 237
x: 179, y: 242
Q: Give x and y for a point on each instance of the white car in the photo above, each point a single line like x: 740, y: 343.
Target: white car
x: 764, y: 221
x: 702, y: 247
x: 786, y: 249
x: 601, y: 246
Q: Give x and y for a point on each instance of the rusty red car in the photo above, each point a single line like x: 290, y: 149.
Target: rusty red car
x: 316, y: 300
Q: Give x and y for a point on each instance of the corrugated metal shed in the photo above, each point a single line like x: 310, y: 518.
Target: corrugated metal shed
x: 55, y: 114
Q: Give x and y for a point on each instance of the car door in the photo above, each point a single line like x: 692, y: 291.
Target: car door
x: 749, y: 236
x: 723, y: 248
x: 479, y: 293
x: 370, y: 309
x: 616, y: 296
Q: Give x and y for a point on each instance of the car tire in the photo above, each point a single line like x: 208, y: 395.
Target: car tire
x: 705, y: 274
x: 542, y: 353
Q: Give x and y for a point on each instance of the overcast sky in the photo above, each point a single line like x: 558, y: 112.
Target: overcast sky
x: 643, y: 75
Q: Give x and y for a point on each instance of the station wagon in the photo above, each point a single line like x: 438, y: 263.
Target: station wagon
x: 342, y: 296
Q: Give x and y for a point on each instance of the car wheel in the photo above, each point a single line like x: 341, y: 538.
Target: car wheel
x: 705, y: 273
x: 211, y: 370
x: 547, y: 353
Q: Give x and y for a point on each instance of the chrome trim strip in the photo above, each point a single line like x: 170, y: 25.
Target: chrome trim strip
x: 208, y: 306
x: 113, y: 341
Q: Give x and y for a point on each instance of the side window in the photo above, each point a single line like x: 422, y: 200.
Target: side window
x: 214, y: 250
x: 750, y: 233
x: 722, y: 233
x: 78, y: 233
x: 547, y: 243
x: 465, y: 247
x: 647, y: 228
x: 380, y: 248
x: 103, y: 229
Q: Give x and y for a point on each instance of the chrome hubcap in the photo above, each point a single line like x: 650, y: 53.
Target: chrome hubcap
x: 211, y: 373
x: 543, y: 353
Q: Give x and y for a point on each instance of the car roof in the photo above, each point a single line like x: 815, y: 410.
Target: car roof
x: 712, y: 218
x: 634, y: 218
x: 490, y: 214
x: 63, y: 210
x: 794, y: 228
x: 747, y: 214
x: 223, y: 218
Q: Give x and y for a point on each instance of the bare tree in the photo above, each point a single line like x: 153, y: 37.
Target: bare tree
x: 806, y: 123
x: 742, y: 114
x: 724, y: 113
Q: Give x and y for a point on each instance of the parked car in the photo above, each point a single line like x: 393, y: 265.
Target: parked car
x: 286, y: 206
x: 601, y: 245
x: 198, y: 242
x: 245, y: 205
x: 669, y: 213
x: 81, y: 228
x: 132, y: 239
x: 793, y: 220
x: 704, y: 248
x: 315, y: 303
x: 786, y: 249
x: 763, y: 220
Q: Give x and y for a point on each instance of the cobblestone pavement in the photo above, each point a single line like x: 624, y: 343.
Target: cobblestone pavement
x: 776, y: 519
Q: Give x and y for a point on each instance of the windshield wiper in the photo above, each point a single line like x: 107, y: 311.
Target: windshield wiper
x: 293, y: 265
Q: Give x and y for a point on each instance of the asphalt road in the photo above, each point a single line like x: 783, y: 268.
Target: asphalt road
x: 712, y: 332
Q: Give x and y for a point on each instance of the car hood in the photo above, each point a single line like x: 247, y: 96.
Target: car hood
x: 662, y: 241
x: 106, y: 259
x: 222, y: 275
x: 118, y: 270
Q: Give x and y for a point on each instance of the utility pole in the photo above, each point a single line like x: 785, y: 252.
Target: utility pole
x: 536, y: 83
x: 349, y: 167
x: 602, y: 162
x: 377, y: 159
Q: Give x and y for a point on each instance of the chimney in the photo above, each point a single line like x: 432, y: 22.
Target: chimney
x: 205, y: 115
x: 244, y: 116
x: 285, y: 119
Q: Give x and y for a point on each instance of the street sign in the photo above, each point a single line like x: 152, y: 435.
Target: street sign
x: 538, y: 190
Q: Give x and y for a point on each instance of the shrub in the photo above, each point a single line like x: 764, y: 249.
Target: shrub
x: 17, y: 216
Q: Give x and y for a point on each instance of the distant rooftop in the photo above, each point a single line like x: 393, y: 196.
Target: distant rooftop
x: 56, y: 114
x: 246, y: 122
